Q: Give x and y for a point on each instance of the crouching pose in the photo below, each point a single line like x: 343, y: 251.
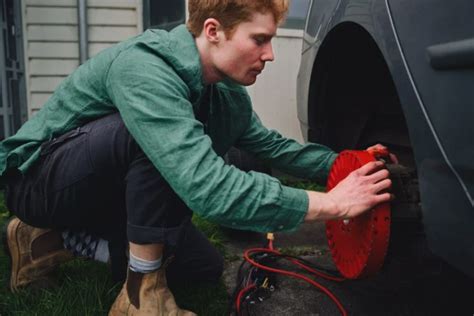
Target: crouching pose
x: 131, y: 144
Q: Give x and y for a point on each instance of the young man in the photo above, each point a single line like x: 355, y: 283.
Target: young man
x: 133, y: 141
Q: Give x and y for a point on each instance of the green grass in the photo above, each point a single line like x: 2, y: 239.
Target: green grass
x: 85, y: 287
x: 302, y: 184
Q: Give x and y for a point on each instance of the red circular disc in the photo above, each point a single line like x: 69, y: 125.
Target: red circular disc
x: 358, y: 245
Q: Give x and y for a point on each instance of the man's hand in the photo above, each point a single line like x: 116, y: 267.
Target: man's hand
x: 360, y: 191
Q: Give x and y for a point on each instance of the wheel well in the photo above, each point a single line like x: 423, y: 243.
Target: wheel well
x: 353, y: 102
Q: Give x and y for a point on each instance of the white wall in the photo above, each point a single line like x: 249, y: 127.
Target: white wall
x: 51, y: 39
x: 274, y: 93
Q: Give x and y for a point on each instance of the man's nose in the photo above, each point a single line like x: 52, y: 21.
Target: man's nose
x: 268, y: 53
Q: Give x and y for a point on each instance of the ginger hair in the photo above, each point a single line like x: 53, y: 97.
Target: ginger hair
x: 230, y: 13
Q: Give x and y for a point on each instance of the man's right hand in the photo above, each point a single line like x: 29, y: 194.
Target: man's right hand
x: 359, y: 192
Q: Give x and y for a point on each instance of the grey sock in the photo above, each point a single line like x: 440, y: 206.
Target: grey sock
x: 102, y: 251
x: 143, y: 266
x: 83, y: 244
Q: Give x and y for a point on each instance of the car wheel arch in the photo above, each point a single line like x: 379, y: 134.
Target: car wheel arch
x: 352, y: 100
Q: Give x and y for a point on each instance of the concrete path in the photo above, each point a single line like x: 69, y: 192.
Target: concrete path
x: 412, y: 282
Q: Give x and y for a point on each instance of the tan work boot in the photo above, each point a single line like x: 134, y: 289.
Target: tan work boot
x: 146, y: 294
x: 33, y: 252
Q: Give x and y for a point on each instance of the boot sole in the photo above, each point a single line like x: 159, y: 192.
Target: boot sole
x: 7, y: 246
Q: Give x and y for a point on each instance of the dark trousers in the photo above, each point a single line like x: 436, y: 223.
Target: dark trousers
x: 96, y: 178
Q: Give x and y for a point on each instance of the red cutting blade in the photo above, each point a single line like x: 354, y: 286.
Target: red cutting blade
x: 359, y: 245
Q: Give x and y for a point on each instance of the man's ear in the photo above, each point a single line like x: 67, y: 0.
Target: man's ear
x: 212, y: 30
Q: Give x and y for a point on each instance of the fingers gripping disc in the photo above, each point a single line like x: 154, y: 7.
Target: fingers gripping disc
x: 358, y: 245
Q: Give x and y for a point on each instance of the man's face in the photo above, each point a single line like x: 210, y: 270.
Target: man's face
x: 242, y: 57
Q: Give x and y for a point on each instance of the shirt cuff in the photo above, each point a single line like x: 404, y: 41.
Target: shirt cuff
x: 294, y: 206
x: 322, y: 175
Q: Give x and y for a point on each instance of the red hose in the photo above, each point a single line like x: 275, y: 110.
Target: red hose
x: 318, y: 273
x: 289, y: 273
x: 241, y: 293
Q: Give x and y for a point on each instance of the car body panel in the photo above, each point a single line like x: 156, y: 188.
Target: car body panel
x: 446, y: 93
x: 437, y: 103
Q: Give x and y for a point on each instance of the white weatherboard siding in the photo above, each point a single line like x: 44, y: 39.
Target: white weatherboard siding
x: 52, y: 52
x: 274, y: 93
x: 51, y: 38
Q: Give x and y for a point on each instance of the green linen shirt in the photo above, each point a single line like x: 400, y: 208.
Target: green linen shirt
x: 155, y: 81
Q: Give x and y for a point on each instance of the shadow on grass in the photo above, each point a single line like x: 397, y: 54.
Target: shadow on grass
x: 84, y: 287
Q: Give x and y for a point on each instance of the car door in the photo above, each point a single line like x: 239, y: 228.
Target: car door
x: 437, y: 40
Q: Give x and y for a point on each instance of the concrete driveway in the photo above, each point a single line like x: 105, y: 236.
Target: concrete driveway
x: 412, y: 281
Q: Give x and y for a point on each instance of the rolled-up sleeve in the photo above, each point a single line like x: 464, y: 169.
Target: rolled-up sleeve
x: 309, y: 161
x: 153, y: 102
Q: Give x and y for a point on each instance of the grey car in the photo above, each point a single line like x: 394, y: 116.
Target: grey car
x: 401, y: 73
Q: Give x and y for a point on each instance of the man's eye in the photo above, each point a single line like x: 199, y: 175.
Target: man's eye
x: 259, y: 40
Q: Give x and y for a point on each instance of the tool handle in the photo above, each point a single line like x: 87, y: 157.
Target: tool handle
x: 379, y: 153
